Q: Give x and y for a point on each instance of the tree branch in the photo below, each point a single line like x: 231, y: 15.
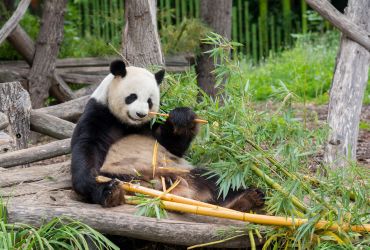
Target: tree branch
x: 343, y: 23
x: 13, y: 21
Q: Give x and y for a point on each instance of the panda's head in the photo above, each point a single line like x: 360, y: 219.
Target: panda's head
x: 130, y: 92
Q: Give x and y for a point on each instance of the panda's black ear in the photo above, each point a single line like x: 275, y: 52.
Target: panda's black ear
x: 118, y: 68
x: 159, y: 76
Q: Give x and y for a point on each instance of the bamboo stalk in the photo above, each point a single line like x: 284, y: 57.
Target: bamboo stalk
x: 254, y: 43
x: 254, y: 218
x: 133, y: 188
x: 275, y: 163
x: 247, y: 29
x: 181, y: 204
x: 279, y: 188
x: 166, y: 115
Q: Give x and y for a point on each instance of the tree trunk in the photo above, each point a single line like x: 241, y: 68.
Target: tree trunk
x: 141, y: 46
x: 15, y: 103
x: 217, y: 15
x: 347, y: 91
x: 47, y: 48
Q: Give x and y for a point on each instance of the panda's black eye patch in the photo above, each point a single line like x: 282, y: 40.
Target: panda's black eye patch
x: 150, y: 103
x: 131, y: 98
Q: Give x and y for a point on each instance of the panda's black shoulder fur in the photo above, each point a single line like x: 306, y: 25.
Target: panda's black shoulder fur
x: 96, y: 130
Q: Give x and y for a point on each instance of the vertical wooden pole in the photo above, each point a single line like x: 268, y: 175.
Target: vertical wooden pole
x: 15, y: 103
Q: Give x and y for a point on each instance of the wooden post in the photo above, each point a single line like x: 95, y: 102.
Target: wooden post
x: 216, y: 14
x: 141, y: 46
x: 347, y: 91
x: 47, y: 48
x: 15, y: 103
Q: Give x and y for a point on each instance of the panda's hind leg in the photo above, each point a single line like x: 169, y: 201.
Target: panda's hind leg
x: 251, y: 199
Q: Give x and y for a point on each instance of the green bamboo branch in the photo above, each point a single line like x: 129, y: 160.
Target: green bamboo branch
x: 296, y: 202
x: 274, y: 162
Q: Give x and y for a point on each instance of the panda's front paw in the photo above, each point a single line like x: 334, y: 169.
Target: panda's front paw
x: 182, y: 120
x: 113, y: 194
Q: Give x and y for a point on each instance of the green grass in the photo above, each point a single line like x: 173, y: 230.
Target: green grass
x: 307, y: 70
x: 59, y: 233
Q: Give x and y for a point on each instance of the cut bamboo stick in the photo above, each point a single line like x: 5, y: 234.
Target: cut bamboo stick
x: 167, y: 115
x: 129, y: 187
x: 181, y: 204
x: 254, y: 218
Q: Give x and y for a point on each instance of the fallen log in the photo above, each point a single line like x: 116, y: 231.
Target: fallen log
x: 38, y: 153
x: 12, y: 23
x: 117, y: 222
x: 4, y: 122
x: 69, y: 111
x: 51, y: 125
x: 88, y: 90
x: 82, y: 78
x: 59, y: 88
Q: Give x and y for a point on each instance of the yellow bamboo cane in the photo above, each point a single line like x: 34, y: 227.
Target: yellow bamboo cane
x: 166, y: 115
x: 133, y: 188
x: 201, y: 208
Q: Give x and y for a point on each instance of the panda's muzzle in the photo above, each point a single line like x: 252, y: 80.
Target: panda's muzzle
x: 141, y: 115
x: 136, y: 119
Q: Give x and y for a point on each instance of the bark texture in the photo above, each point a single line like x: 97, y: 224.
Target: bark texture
x: 15, y: 103
x: 344, y: 23
x: 12, y: 23
x: 47, y: 48
x: 38, y: 153
x: 347, y: 91
x: 141, y: 46
x: 51, y: 125
x: 217, y: 15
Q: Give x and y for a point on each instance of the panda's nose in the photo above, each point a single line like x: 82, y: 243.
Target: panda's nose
x: 141, y: 115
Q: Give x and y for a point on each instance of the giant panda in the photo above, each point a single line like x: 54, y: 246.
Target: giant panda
x: 114, y: 137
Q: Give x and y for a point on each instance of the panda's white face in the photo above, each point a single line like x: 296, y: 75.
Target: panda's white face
x: 132, y: 97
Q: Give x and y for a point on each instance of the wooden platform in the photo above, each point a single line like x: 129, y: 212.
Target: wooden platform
x: 37, y: 194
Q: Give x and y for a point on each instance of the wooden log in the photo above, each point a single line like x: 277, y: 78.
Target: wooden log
x: 6, y: 143
x: 88, y: 90
x: 69, y: 111
x: 11, y: 177
x: 13, y: 21
x: 34, y: 154
x: 82, y: 78
x: 117, y: 222
x: 60, y: 90
x: 342, y: 22
x: 51, y: 125
x: 4, y: 121
x: 47, y: 47
x: 347, y: 91
x: 22, y: 43
x: 15, y: 103
x: 25, y: 46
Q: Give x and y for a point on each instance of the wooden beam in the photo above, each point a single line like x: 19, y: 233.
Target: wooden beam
x: 342, y: 22
x: 116, y: 221
x: 13, y: 21
x: 22, y: 43
x: 70, y: 110
x: 38, y: 153
x: 51, y: 125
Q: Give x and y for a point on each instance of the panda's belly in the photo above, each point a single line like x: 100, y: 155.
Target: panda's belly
x: 133, y: 155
